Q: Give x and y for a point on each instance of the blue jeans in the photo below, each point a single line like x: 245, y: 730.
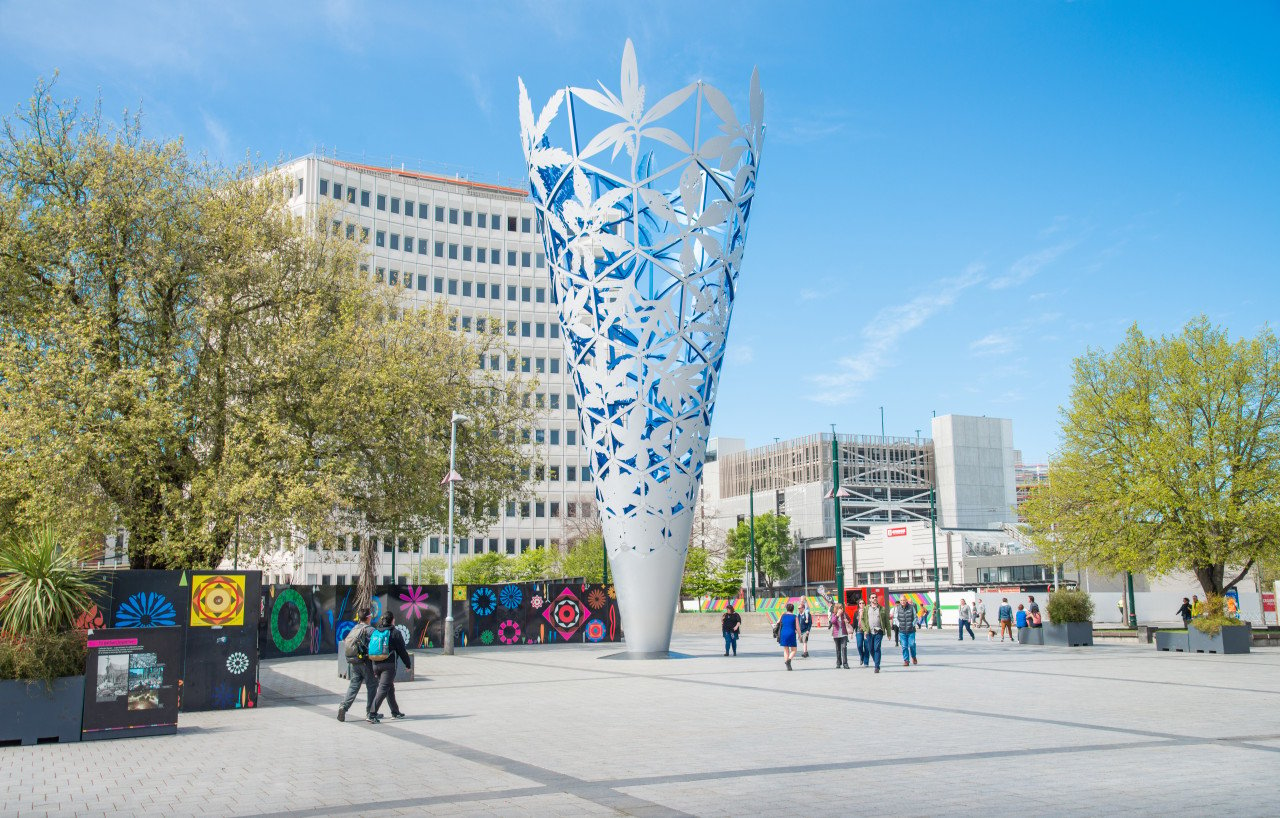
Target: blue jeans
x: 908, y: 645
x: 864, y: 648
x: 872, y: 641
x: 730, y: 642
x: 964, y: 626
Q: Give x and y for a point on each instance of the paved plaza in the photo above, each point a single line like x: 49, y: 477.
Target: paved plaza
x: 977, y: 729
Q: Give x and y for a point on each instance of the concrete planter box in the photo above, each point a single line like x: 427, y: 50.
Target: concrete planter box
x: 1173, y: 640
x: 1068, y: 634
x: 1231, y: 639
x: 35, y: 715
x: 1031, y: 636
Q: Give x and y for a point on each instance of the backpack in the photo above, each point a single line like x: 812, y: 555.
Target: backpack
x: 351, y: 644
x: 380, y: 645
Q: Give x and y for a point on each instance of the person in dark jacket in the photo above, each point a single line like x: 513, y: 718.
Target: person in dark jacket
x: 905, y: 615
x: 1185, y: 612
x: 385, y: 671
x: 359, y: 669
x: 730, y: 626
x: 804, y: 620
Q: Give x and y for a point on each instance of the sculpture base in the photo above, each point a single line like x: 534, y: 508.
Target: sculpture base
x: 653, y: 654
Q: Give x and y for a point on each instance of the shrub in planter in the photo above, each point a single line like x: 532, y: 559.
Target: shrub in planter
x: 1215, y: 630
x: 1070, y: 619
x: 43, y: 590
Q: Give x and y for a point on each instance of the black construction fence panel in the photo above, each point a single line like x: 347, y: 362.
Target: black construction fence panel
x: 150, y: 599
x: 222, y: 641
x: 133, y: 678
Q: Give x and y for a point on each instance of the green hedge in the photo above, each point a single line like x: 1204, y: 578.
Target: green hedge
x: 1070, y: 606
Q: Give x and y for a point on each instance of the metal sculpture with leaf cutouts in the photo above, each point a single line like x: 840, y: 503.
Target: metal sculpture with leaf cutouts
x: 644, y: 219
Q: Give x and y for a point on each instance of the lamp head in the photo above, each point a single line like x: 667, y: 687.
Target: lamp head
x: 457, y: 418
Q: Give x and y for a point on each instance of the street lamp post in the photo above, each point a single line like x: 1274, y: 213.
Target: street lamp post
x: 449, y: 479
x: 836, y: 494
x: 937, y: 579
x: 751, y: 511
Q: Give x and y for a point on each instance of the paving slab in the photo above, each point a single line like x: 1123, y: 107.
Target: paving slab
x: 976, y: 727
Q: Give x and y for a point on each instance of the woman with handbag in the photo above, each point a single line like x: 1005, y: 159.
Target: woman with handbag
x: 787, y: 631
x: 839, y: 626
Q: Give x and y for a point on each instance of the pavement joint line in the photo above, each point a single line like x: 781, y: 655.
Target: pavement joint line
x: 960, y: 666
x: 550, y: 780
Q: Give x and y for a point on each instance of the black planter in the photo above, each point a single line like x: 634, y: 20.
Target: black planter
x: 1068, y: 634
x: 1030, y: 636
x: 1172, y: 640
x: 35, y: 715
x: 1231, y: 639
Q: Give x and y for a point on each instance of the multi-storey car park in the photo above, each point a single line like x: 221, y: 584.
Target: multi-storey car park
x: 475, y: 247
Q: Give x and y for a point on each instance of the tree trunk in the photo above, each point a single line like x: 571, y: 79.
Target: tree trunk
x: 1210, y: 577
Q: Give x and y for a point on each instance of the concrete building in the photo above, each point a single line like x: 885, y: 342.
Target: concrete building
x: 969, y: 462
x: 475, y: 247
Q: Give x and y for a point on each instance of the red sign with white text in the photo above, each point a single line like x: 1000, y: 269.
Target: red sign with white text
x: 1269, y: 603
x: 900, y: 531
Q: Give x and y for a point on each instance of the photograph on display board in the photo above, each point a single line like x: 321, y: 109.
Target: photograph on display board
x: 133, y: 680
x: 113, y: 677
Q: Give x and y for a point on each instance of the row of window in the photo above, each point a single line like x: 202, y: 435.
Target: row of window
x: 1014, y: 573
x: 915, y: 575
x: 458, y: 287
x: 479, y: 254
x: 443, y: 215
x: 541, y: 508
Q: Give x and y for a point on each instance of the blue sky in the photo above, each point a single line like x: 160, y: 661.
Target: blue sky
x: 956, y: 199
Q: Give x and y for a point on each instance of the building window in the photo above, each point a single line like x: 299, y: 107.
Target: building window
x: 408, y: 207
x: 351, y: 232
x: 422, y: 247
x: 439, y: 249
x: 351, y: 195
x: 395, y: 205
x: 495, y: 256
x: 511, y: 292
x: 382, y: 201
x: 555, y: 441
x: 555, y: 330
x: 524, y: 543
x: 453, y: 252
x: 299, y: 186
x: 540, y: 261
x: 364, y: 198
x: 571, y: 510
x: 539, y: 509
x: 540, y: 365
x: 466, y: 252
x: 570, y: 402
x: 381, y: 275
x: 555, y: 509
x: 511, y: 545
x: 524, y: 510
x: 540, y: 329
x: 526, y: 225
x: 525, y: 327
x: 555, y: 399
x: 511, y: 224
x: 526, y: 259
x: 395, y: 241
x: 422, y: 283
x: 453, y: 215
x: 571, y: 475
x: 526, y: 293
x: 380, y: 238
x: 466, y: 288
x: 324, y: 187
x: 453, y: 286
x: 439, y: 213
x: 466, y: 218
x: 433, y: 545
x: 337, y: 191
x: 480, y: 220
x: 540, y: 295
x: 437, y: 285
x: 571, y: 437
x: 555, y: 367
x: 393, y: 278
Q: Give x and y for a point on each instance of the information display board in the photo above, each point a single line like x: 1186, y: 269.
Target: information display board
x: 133, y: 681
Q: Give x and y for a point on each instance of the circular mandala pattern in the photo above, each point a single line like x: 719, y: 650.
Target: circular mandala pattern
x: 511, y: 596
x: 237, y: 663
x: 484, y: 601
x: 404, y: 633
x: 509, y: 633
x: 289, y: 597
x: 217, y: 601
x: 536, y: 601
x: 567, y: 613
x: 487, y: 637
x: 595, y: 630
x: 596, y: 599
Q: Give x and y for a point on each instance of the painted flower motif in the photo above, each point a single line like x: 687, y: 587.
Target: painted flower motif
x: 90, y: 619
x: 487, y: 637
x: 146, y: 610
x: 612, y: 593
x: 509, y: 632
x: 595, y: 630
x: 237, y: 663
x: 484, y: 601
x: 536, y: 601
x: 596, y: 599
x: 343, y: 629
x: 413, y: 602
x: 404, y: 633
x: 511, y: 596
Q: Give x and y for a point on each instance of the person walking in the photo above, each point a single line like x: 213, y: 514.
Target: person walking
x: 1005, y: 615
x: 906, y: 617
x: 894, y: 620
x: 964, y: 621
x: 1195, y: 605
x: 873, y: 623
x: 863, y: 641
x: 730, y: 626
x: 1185, y: 612
x: 980, y: 613
x: 922, y: 621
x: 787, y: 629
x: 359, y: 668
x: 804, y: 621
x: 839, y: 625
x: 1034, y: 620
x: 385, y: 644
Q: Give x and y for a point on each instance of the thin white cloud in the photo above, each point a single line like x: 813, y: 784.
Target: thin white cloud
x: 740, y: 354
x: 219, y: 139
x: 880, y: 336
x: 1030, y: 264
x: 808, y: 294
x: 993, y: 343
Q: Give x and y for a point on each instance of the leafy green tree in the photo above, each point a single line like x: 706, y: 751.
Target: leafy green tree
x: 182, y: 357
x: 585, y: 559
x: 1169, y: 458
x: 535, y: 564
x: 482, y: 569
x: 706, y: 576
x: 775, y: 551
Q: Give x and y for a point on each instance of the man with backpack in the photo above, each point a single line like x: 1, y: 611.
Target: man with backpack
x: 359, y: 668
x: 384, y: 644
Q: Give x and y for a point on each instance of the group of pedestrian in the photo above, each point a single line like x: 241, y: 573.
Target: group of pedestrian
x: 1190, y: 608
x: 371, y: 663
x: 868, y: 624
x: 1027, y: 616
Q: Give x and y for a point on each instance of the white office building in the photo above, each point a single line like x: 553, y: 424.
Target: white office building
x: 477, y: 248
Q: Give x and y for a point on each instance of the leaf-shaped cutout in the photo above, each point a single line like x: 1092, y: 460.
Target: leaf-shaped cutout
x: 549, y: 112
x: 598, y: 101
x: 526, y: 117
x: 668, y: 103
x: 715, y: 146
x: 611, y: 135
x: 715, y: 213
x: 630, y: 90
x: 581, y: 187
x: 757, y: 99
x: 709, y: 244
x: 667, y: 137
x: 731, y: 156
x: 658, y: 205
x: 720, y: 104
x: 549, y: 157
x: 691, y: 188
